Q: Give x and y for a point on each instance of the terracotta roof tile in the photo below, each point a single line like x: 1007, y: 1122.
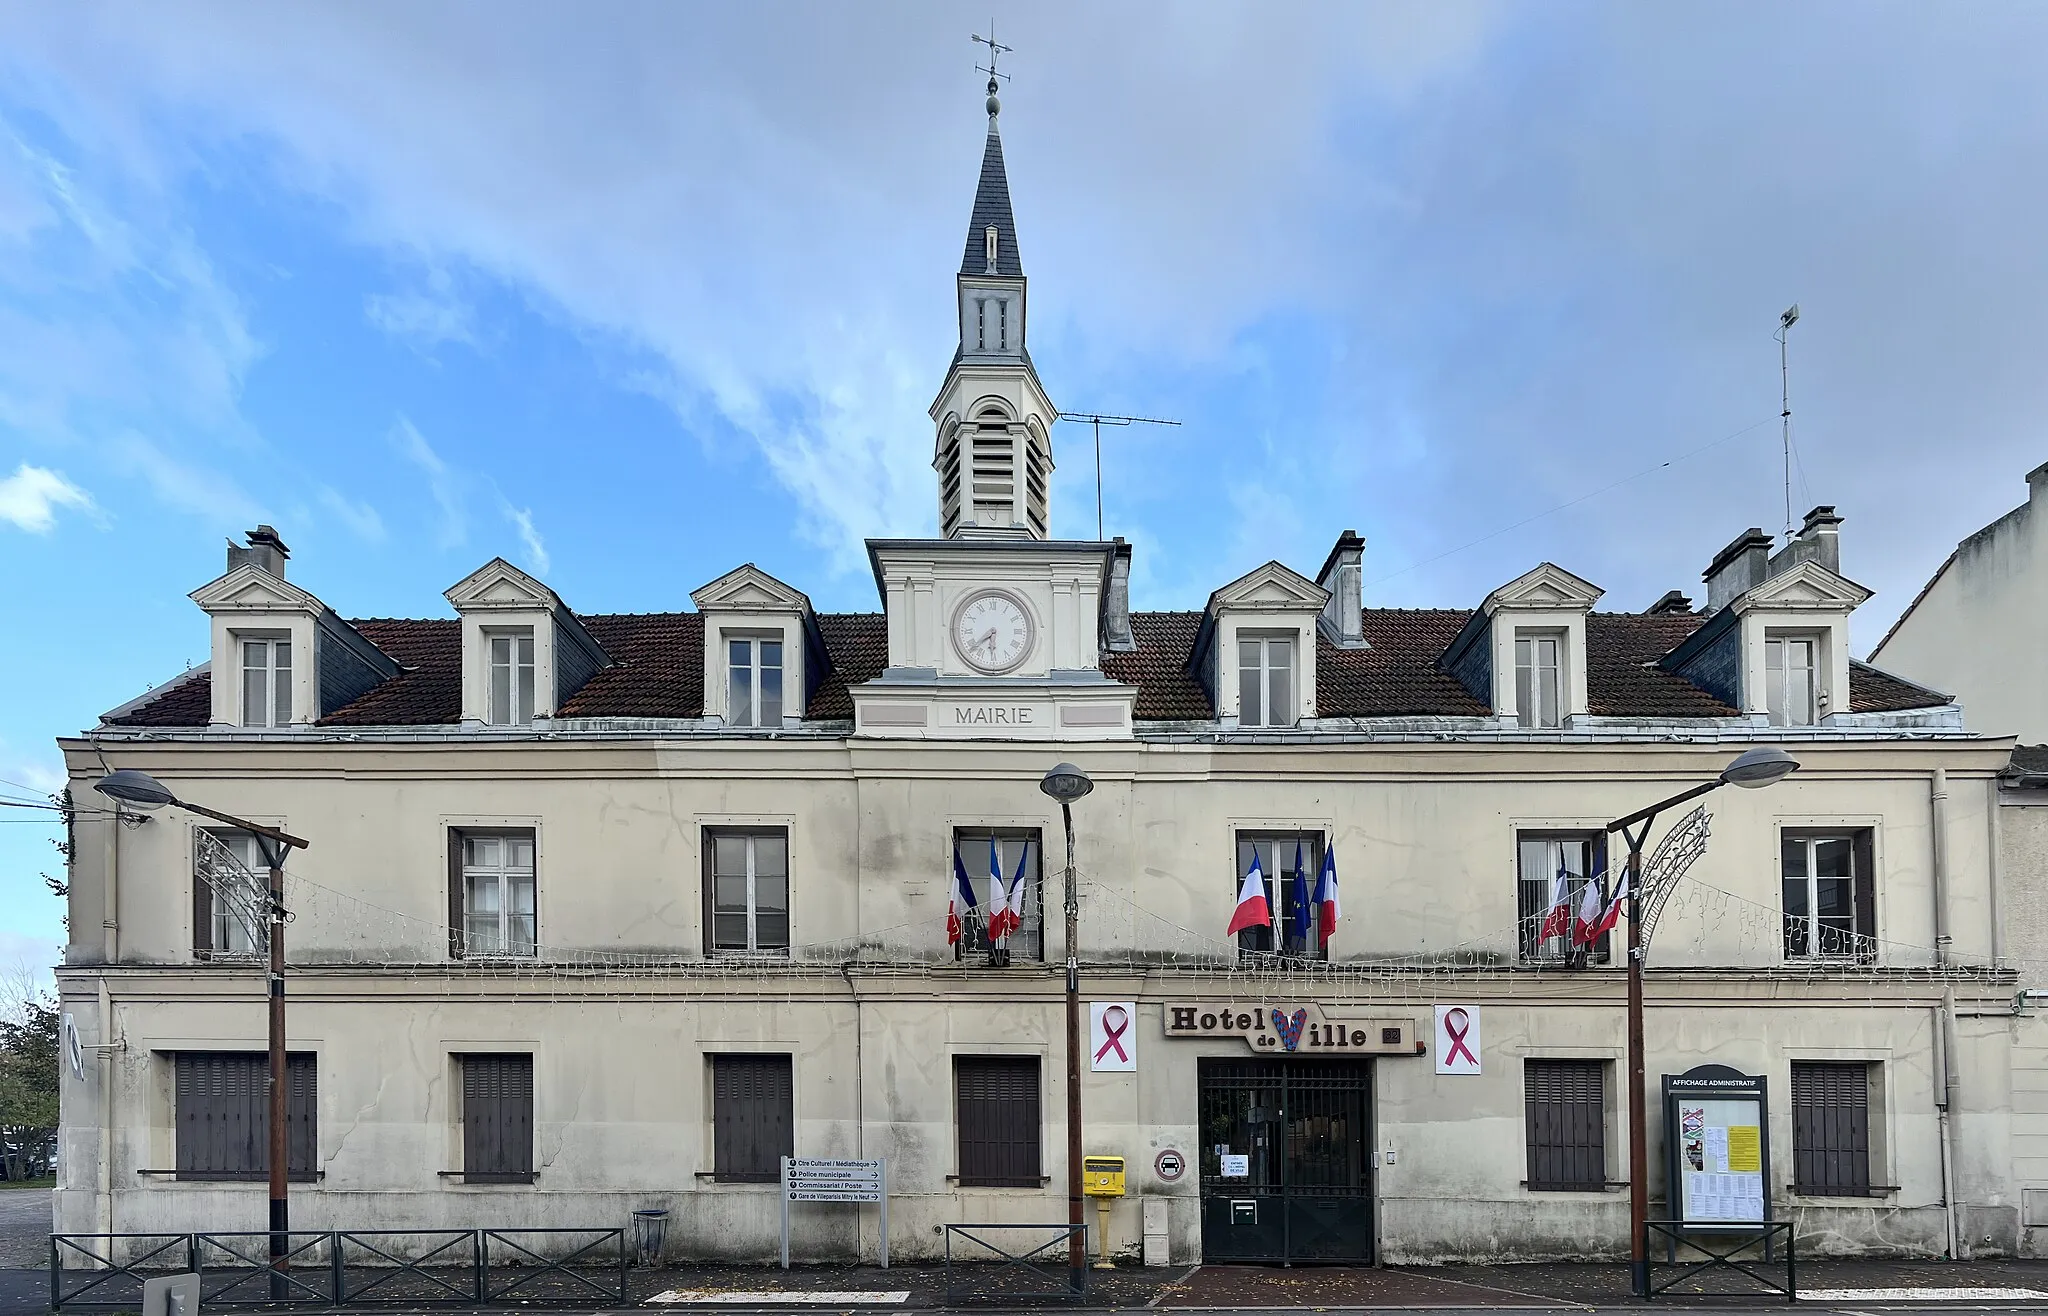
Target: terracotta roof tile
x: 184, y: 702
x: 1622, y: 678
x: 1167, y: 690
x: 1396, y: 674
x: 857, y: 643
x: 657, y: 667
x: 1872, y: 690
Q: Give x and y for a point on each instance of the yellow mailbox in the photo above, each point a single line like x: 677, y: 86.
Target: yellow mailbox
x: 1102, y: 1176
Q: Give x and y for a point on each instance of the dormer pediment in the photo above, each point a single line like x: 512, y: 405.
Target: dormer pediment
x: 1271, y: 588
x: 251, y: 589
x: 1549, y: 587
x: 749, y: 589
x: 498, y: 586
x: 1808, y: 587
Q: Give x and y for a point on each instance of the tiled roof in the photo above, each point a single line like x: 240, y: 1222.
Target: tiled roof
x: 658, y: 671
x: 992, y: 209
x: 2029, y: 762
x: 1872, y: 690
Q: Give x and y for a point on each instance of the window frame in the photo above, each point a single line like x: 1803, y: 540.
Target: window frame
x: 752, y: 835
x: 1569, y: 1112
x: 970, y: 842
x: 724, y: 1135
x: 516, y: 1169
x: 1855, y: 1142
x: 1861, y: 936
x: 459, y: 946
x: 1776, y: 694
x: 278, y: 701
x: 1532, y: 895
x: 211, y: 917
x: 1265, y: 668
x: 250, y: 1111
x: 755, y: 666
x: 515, y: 667
x: 1529, y: 712
x: 1278, y: 881
x: 974, y: 1158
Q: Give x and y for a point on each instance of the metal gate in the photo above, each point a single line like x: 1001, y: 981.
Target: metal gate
x: 1286, y: 1162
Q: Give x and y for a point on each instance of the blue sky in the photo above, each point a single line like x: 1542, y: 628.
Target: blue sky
x: 634, y: 293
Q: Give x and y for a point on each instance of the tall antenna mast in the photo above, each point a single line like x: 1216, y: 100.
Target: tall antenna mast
x: 1098, y: 422
x: 1785, y: 323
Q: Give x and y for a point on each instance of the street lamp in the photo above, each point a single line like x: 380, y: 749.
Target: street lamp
x: 133, y: 786
x: 1067, y: 783
x: 1765, y: 765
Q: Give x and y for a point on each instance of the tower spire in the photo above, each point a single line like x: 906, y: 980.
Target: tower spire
x: 997, y: 254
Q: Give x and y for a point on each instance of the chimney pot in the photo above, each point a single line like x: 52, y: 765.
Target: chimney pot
x: 1343, y: 618
x: 266, y: 551
x: 1673, y: 602
x: 1738, y: 568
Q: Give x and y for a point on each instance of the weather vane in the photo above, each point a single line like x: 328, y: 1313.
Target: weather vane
x: 995, y: 52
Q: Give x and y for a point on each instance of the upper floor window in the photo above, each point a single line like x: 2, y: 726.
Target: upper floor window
x: 1290, y: 862
x: 1016, y: 855
x: 511, y: 654
x: 496, y: 894
x: 746, y: 891
x: 1554, y: 870
x: 230, y: 881
x: 1830, y: 894
x: 266, y: 683
x: 754, y: 695
x: 1539, y: 679
x: 1791, y: 679
x: 1265, y: 681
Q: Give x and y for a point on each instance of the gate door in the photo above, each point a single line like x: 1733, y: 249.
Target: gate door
x: 1293, y: 1136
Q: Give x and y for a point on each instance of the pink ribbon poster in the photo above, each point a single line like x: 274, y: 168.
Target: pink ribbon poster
x: 1112, y: 1036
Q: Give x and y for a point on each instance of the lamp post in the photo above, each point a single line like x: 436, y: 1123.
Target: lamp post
x: 1754, y: 768
x: 132, y: 786
x: 1067, y: 783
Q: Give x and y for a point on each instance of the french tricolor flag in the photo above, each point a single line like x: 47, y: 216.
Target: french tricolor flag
x: 1326, y: 895
x: 960, y: 903
x: 1252, y: 910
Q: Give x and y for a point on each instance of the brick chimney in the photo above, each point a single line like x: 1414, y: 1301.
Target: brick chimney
x: 265, y: 550
x: 1116, y: 605
x: 1343, y: 618
x: 1819, y: 540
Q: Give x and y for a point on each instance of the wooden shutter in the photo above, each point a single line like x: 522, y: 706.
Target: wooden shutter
x: 1566, y: 1106
x: 1865, y: 887
x: 202, y: 914
x: 223, y: 1115
x: 456, y: 937
x: 752, y: 1122
x: 996, y: 1100
x: 497, y: 1118
x: 1831, y: 1128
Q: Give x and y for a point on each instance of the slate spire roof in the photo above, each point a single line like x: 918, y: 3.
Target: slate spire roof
x: 992, y: 206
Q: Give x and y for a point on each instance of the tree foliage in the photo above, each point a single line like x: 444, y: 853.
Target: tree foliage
x: 28, y: 1081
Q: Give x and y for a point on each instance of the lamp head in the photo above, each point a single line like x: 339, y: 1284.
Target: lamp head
x: 1066, y: 783
x: 1766, y: 765
x: 1790, y: 317
x: 136, y: 787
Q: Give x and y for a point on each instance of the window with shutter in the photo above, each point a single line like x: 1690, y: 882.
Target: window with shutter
x: 996, y: 1106
x: 497, y: 1118
x: 1831, y: 1128
x: 221, y: 1107
x: 753, y: 1123
x: 1566, y: 1107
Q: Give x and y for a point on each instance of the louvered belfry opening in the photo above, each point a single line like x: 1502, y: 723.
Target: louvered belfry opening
x: 995, y: 473
x: 497, y: 1118
x: 222, y: 1110
x: 1831, y: 1128
x: 753, y: 1123
x: 996, y: 1106
x: 1565, y: 1105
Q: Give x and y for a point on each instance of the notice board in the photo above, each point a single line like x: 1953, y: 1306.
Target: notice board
x: 1717, y: 1148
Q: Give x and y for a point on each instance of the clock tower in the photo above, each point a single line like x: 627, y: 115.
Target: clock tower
x: 996, y: 629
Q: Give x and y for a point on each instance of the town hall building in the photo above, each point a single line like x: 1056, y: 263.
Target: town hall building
x: 611, y: 912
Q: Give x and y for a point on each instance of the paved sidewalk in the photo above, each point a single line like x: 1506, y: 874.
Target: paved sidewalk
x: 24, y: 1227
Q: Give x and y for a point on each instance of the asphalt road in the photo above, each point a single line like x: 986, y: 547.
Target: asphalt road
x: 24, y: 1227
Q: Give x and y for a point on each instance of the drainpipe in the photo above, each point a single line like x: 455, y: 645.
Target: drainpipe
x: 1945, y: 1015
x: 1991, y: 824
x: 103, y: 1068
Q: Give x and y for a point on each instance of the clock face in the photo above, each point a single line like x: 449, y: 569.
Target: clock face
x: 992, y: 632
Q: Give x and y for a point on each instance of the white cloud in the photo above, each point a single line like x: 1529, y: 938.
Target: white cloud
x: 442, y: 481
x: 30, y: 497
x: 357, y: 516
x: 424, y: 318
x: 529, y: 538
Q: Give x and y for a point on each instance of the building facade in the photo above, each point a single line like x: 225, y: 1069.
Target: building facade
x: 1979, y: 626
x: 611, y: 912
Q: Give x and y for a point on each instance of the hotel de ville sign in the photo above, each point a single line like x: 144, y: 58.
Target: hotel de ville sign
x: 1280, y: 1027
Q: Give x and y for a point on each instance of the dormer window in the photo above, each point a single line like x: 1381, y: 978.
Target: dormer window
x: 511, y: 662
x: 754, y: 697
x: 266, y: 682
x: 1265, y: 680
x: 988, y: 241
x: 1792, y: 679
x: 1539, y: 678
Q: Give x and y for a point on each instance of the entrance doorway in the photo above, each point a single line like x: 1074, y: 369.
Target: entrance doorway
x: 1286, y: 1161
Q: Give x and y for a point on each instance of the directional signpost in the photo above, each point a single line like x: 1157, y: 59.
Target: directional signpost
x: 805, y: 1180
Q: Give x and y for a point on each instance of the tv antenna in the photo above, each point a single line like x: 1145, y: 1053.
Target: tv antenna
x: 1098, y: 422
x: 995, y: 52
x: 1785, y: 323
